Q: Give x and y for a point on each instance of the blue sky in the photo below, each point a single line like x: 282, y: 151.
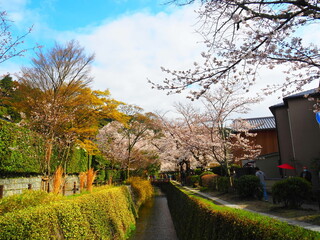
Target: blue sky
x: 66, y: 15
x: 131, y: 40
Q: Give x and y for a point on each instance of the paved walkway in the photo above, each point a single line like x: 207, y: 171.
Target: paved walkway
x: 225, y: 203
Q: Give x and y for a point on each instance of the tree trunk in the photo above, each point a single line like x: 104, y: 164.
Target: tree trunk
x: 89, y: 160
x: 128, y: 171
x: 49, y: 145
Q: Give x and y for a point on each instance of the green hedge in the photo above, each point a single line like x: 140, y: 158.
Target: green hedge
x: 249, y: 186
x: 106, y: 214
x: 20, y: 149
x: 196, y: 218
x: 292, y: 192
x: 221, y: 184
x: 22, y: 153
x: 142, y: 190
x: 29, y: 198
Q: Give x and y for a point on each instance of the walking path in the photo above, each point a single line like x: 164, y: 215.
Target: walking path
x: 225, y: 203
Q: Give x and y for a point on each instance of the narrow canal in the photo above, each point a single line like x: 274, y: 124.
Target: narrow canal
x: 154, y: 220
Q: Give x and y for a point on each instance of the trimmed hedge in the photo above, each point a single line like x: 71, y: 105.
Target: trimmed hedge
x: 193, y: 180
x: 106, y: 214
x: 142, y: 190
x: 249, y: 186
x: 203, y: 174
x: 198, y: 219
x: 292, y: 191
x: 208, y: 179
x: 28, y: 198
x: 221, y: 184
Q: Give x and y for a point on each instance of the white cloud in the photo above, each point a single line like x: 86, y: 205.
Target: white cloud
x: 133, y: 48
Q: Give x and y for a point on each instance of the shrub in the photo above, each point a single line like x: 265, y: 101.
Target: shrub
x: 208, y: 179
x: 203, y: 174
x: 58, y: 180
x: 197, y: 218
x: 291, y: 191
x: 193, y: 180
x: 28, y: 198
x: 91, y: 174
x: 198, y: 171
x: 142, y: 190
x: 105, y: 214
x: 219, y: 170
x: 222, y: 184
x: 249, y: 186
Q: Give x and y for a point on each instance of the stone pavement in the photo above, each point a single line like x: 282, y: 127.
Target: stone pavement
x: 292, y: 222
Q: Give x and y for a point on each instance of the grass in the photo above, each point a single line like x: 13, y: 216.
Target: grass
x: 303, y: 214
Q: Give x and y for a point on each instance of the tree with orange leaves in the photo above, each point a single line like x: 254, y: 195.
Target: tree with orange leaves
x: 48, y: 90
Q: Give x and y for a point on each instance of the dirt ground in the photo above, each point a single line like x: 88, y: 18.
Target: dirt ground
x: 309, y: 211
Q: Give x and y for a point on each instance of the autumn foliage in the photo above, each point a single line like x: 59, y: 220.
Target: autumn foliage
x: 58, y: 180
x: 83, y: 180
x: 207, y: 179
x: 91, y: 174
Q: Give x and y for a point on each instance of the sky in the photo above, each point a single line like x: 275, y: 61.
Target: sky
x: 131, y: 40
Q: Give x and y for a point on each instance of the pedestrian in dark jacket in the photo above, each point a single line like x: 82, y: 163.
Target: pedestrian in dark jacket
x: 306, y: 174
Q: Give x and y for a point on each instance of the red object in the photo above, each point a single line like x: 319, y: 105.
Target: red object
x: 285, y: 166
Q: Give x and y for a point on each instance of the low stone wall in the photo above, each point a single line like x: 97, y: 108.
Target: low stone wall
x: 72, y: 185
x: 13, y: 186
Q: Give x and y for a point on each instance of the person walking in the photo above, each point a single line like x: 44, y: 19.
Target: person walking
x: 306, y: 174
x: 262, y: 179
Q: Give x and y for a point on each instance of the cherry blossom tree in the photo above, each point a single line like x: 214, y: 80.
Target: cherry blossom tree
x: 207, y: 135
x: 9, y: 44
x: 241, y: 36
x: 129, y: 142
x: 188, y: 136
x: 220, y: 108
x: 168, y: 147
x: 244, y: 145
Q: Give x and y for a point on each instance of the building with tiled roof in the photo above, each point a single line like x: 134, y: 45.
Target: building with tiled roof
x: 298, y: 133
x: 266, y: 137
x: 261, y: 123
x: 265, y: 128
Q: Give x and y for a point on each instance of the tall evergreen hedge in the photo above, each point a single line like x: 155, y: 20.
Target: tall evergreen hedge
x: 22, y: 153
x: 20, y: 149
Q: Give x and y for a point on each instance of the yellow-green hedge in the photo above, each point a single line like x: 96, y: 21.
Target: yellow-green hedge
x: 106, y: 214
x: 199, y: 219
x: 28, y: 198
x: 142, y: 190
